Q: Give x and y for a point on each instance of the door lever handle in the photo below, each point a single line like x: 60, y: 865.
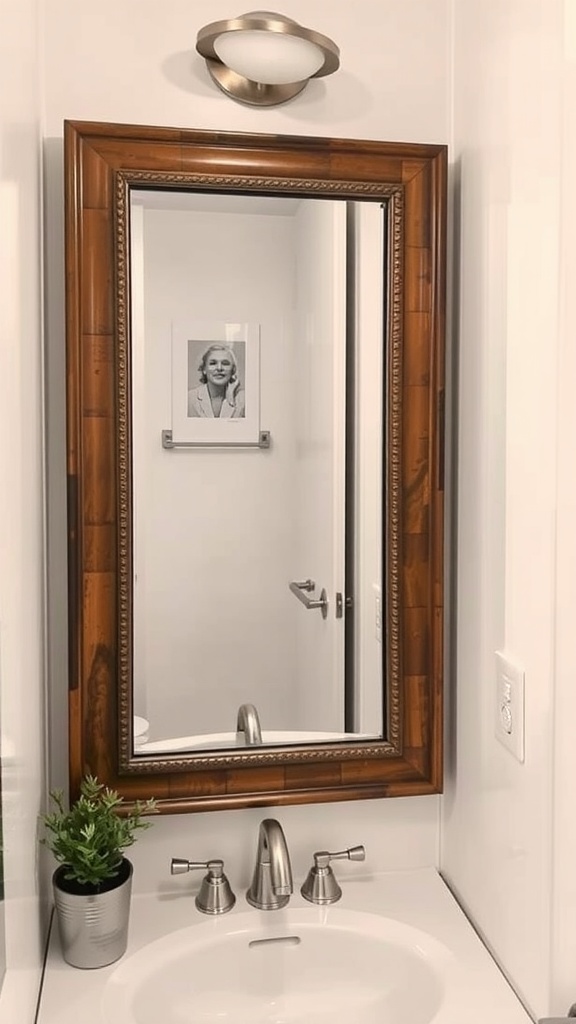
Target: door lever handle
x: 302, y: 588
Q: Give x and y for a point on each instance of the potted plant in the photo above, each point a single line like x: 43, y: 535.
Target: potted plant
x: 92, y: 887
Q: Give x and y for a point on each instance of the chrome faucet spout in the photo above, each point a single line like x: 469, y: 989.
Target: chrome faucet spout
x: 272, y: 880
x: 275, y: 853
x: 249, y: 724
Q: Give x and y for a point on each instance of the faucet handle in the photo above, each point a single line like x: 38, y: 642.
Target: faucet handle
x: 321, y: 885
x: 323, y: 858
x: 215, y: 896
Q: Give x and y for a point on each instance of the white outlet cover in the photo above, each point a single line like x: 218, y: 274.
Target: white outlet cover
x: 509, y: 705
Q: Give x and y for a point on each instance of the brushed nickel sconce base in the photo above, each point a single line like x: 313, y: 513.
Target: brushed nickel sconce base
x: 254, y: 94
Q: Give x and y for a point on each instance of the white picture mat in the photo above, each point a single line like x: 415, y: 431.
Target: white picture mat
x: 227, y: 430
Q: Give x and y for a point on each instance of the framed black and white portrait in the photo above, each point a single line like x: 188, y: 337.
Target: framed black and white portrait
x: 216, y: 382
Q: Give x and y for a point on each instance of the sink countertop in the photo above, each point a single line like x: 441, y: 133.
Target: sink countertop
x: 477, y: 991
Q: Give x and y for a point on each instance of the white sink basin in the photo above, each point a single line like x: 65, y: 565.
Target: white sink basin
x: 303, y: 966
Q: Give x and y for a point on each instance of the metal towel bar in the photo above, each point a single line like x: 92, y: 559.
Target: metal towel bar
x: 264, y: 441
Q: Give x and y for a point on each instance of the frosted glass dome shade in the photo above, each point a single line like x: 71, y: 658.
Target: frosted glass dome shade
x: 269, y: 57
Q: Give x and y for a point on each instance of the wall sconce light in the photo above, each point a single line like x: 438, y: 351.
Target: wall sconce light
x: 263, y: 58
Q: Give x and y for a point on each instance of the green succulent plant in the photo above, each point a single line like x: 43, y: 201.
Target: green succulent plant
x: 88, y: 839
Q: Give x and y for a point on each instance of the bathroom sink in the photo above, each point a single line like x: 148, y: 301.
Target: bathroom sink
x: 303, y: 966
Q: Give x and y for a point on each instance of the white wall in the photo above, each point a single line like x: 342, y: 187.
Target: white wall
x: 21, y: 503
x: 135, y: 62
x: 514, y: 547
x: 563, y: 949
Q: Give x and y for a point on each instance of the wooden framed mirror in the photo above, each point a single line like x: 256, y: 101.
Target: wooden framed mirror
x: 261, y: 583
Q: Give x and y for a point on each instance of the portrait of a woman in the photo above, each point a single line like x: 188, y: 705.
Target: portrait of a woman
x: 220, y: 394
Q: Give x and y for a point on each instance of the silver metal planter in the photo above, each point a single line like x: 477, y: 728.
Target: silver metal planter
x: 93, y: 929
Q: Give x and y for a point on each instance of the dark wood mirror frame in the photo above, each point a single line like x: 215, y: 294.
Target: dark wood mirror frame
x: 102, y: 163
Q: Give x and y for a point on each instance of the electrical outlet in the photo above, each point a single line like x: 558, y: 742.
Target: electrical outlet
x: 509, y: 709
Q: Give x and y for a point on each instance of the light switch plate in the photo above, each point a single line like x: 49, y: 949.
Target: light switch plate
x: 509, y: 705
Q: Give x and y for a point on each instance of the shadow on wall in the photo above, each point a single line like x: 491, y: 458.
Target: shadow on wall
x: 55, y: 398
x: 344, y: 98
x: 451, y: 456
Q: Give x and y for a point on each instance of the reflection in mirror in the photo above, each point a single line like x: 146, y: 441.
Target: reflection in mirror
x: 245, y: 314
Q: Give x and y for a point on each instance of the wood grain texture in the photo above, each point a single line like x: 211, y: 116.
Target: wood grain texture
x: 102, y: 162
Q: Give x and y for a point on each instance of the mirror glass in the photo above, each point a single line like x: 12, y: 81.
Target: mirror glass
x: 257, y: 452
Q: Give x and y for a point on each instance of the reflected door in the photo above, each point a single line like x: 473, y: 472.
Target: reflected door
x: 320, y: 344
